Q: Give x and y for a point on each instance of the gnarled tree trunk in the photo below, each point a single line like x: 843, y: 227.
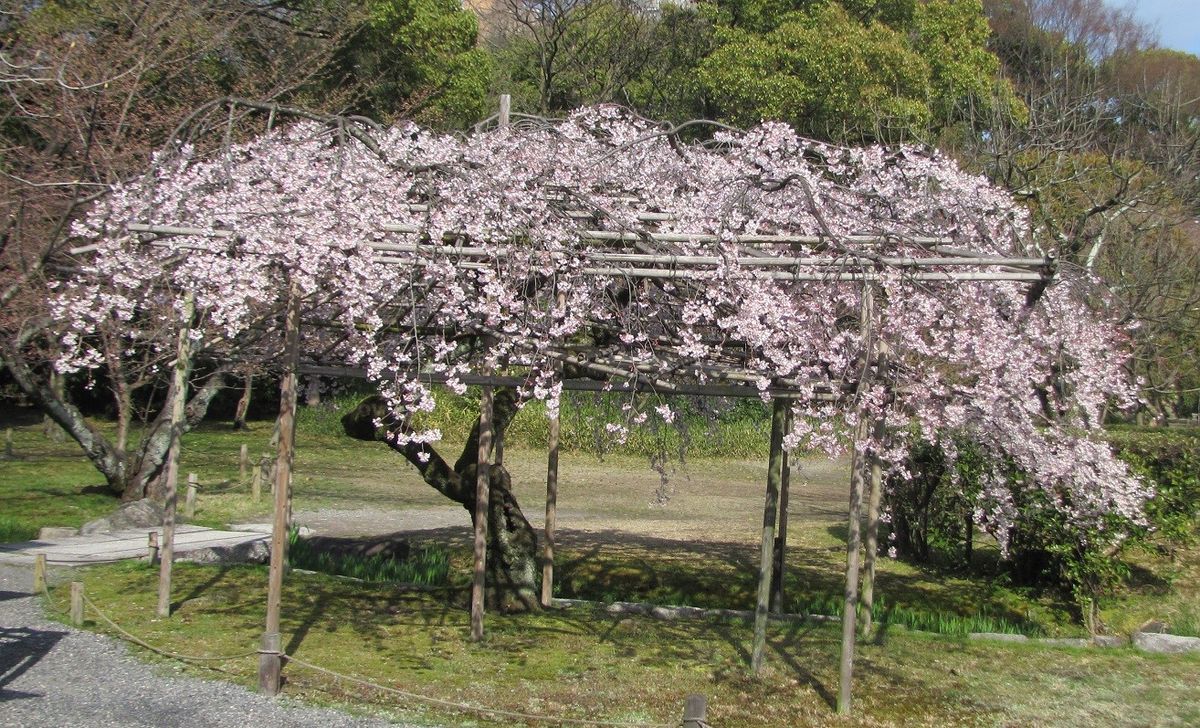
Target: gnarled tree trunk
x: 130, y: 475
x: 512, y: 564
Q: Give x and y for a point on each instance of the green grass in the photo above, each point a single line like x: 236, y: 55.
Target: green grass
x: 426, y: 565
x: 588, y: 664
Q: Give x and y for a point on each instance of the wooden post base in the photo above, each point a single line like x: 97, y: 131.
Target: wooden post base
x: 270, y: 664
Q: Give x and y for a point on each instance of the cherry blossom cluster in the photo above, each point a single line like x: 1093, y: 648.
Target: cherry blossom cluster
x: 437, y: 254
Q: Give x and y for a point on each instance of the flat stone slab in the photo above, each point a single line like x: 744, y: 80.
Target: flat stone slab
x: 121, y: 545
x: 998, y: 636
x: 1168, y: 643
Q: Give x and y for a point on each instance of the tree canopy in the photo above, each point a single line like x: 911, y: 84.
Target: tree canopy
x: 419, y: 253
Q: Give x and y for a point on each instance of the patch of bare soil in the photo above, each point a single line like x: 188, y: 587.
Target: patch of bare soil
x: 709, y: 500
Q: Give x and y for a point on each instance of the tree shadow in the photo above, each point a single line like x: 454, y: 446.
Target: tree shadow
x: 20, y: 649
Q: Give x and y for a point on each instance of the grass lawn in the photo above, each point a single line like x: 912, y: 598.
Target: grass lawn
x: 618, y: 543
x: 583, y: 663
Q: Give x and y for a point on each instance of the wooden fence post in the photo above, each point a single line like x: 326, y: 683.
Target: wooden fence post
x: 256, y: 484
x: 77, y: 603
x: 695, y: 712
x: 243, y: 462
x: 189, y: 502
x: 505, y: 110
x: 153, y: 547
x: 39, y: 573
x: 8, y: 444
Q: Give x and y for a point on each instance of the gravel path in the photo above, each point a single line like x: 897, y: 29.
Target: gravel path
x: 52, y: 676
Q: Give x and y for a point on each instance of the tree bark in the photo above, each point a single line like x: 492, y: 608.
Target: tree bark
x: 512, y: 564
x: 243, y: 405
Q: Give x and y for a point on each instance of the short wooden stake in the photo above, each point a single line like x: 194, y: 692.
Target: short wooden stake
x: 8, y: 444
x: 189, y: 503
x: 77, y: 603
x: 152, y: 546
x: 256, y: 485
x: 695, y: 712
x: 243, y: 463
x: 39, y: 573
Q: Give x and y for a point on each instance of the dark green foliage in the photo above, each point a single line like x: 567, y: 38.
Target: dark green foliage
x: 1171, y: 460
x: 428, y: 565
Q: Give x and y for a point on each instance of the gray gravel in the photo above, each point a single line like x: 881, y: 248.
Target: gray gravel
x: 52, y: 676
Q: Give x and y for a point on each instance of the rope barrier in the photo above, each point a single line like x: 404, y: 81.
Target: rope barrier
x: 165, y: 653
x: 465, y: 707
x: 474, y: 708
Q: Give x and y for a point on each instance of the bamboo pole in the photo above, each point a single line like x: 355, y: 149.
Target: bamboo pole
x: 270, y: 660
x: 874, y: 499
x: 551, y: 513
x: 770, y: 510
x: 482, y: 482
x: 182, y: 367
x: 785, y: 483
x: 866, y: 604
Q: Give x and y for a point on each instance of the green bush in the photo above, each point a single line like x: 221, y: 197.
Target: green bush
x: 1171, y: 460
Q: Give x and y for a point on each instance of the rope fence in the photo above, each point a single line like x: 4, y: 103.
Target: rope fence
x: 695, y: 704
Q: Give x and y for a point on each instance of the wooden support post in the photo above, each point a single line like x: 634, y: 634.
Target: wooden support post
x: 505, y: 110
x: 39, y: 573
x: 77, y: 603
x: 270, y: 661
x: 551, y: 513
x: 243, y: 463
x: 850, y: 605
x: 189, y: 501
x: 781, y: 539
x: 183, y: 366
x: 854, y: 522
x: 482, y: 496
x: 770, y: 510
x: 866, y: 606
x: 152, y: 547
x: 695, y: 712
x: 9, y: 454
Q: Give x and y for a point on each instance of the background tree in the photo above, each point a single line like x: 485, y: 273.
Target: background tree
x: 93, y: 89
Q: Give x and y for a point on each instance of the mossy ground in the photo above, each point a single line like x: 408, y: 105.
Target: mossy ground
x: 617, y: 543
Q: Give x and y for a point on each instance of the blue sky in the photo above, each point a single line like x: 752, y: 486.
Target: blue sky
x: 1177, y: 21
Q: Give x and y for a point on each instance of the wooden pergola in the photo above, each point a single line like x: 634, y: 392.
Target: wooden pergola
x: 649, y: 255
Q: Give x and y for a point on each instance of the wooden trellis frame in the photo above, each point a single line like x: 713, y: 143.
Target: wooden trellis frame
x: 647, y: 254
